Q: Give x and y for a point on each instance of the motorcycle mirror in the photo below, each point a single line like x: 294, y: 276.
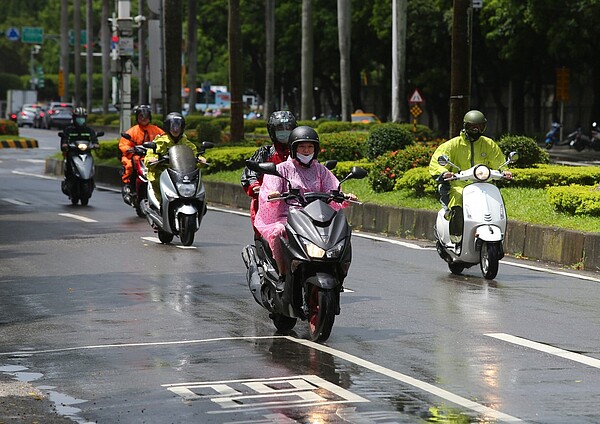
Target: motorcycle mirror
x: 149, y: 145
x: 513, y: 156
x: 358, y: 172
x: 263, y: 167
x: 207, y: 145
x: 330, y: 164
x: 61, y: 134
x: 126, y: 136
x: 443, y: 160
x: 99, y: 133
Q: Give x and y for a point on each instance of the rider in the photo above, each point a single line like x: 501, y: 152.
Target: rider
x: 78, y: 131
x: 466, y: 150
x: 174, y: 125
x: 138, y: 134
x: 305, y: 173
x: 279, y: 126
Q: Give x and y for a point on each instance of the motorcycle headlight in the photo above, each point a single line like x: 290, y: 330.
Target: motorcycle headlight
x: 313, y: 250
x: 482, y: 172
x: 335, y: 251
x: 82, y: 146
x: 186, y: 189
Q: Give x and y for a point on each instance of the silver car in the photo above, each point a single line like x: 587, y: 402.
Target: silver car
x: 26, y: 116
x: 59, y: 117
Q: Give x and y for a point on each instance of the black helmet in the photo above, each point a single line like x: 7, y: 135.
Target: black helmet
x: 280, y: 125
x: 474, y: 124
x: 144, y: 111
x: 174, y: 125
x: 79, y: 116
x: 300, y: 134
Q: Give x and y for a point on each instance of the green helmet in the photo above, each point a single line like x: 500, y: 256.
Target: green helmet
x: 474, y: 124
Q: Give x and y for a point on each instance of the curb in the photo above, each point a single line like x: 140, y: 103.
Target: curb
x: 575, y: 249
x: 28, y: 143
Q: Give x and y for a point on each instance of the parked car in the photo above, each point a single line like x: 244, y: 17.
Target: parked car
x: 365, y: 118
x: 26, y: 116
x: 59, y: 117
x: 39, y: 120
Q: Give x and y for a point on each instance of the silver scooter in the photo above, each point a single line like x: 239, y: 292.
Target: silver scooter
x: 484, y: 221
x: 183, y: 198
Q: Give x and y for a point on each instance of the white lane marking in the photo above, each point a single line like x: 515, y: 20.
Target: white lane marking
x: 391, y: 241
x: 78, y: 217
x: 15, y: 202
x: 157, y: 241
x: 29, y: 174
x: 231, y: 211
x: 577, y: 357
x: 32, y: 160
x: 551, y: 271
x: 429, y: 388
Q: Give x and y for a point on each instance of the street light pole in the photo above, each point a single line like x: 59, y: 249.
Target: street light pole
x: 35, y: 49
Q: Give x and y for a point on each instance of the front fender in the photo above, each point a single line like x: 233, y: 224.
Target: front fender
x: 489, y: 233
x: 323, y: 280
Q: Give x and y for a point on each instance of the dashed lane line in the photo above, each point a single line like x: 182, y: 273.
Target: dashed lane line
x: 577, y: 357
x: 78, y: 217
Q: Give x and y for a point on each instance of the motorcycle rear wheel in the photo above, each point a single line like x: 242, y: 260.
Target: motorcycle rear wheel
x: 321, y: 313
x: 165, y: 237
x: 489, y: 259
x: 455, y: 268
x: 283, y: 323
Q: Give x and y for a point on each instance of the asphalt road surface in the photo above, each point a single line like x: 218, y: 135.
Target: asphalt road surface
x: 105, y: 324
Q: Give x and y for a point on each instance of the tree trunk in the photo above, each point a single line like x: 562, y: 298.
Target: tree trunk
x: 460, y: 79
x: 105, y: 34
x: 89, y: 58
x: 234, y: 37
x: 64, y: 48
x: 77, y: 49
x: 344, y: 32
x: 192, y: 53
x: 173, y: 16
x: 307, y: 62
x: 270, y: 58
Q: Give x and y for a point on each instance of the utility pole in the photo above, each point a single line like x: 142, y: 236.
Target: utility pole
x: 63, y: 72
x: 399, y: 8
x: 123, y: 66
x: 460, y: 79
x: 77, y: 49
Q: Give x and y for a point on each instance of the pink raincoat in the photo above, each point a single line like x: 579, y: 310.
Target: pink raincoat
x: 272, y: 216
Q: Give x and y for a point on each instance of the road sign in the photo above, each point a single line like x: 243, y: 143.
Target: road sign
x: 13, y: 34
x: 82, y: 37
x: 562, y: 84
x: 415, y: 111
x: 34, y: 35
x: 416, y: 97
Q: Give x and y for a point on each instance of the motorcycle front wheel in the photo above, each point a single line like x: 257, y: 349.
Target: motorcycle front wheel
x: 187, y: 229
x: 456, y: 269
x: 282, y: 323
x: 165, y: 237
x: 489, y: 259
x: 321, y: 313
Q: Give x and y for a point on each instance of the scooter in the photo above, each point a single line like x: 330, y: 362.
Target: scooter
x: 579, y: 141
x: 183, y: 198
x: 78, y: 183
x: 317, y: 252
x: 552, y: 136
x: 135, y: 197
x: 483, y: 221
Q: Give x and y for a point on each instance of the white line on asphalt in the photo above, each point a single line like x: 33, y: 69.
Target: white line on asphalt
x: 391, y: 241
x: 429, y: 388
x: 15, y: 202
x: 157, y: 241
x: 32, y: 160
x: 577, y: 357
x: 79, y: 217
x: 551, y: 271
x: 29, y: 174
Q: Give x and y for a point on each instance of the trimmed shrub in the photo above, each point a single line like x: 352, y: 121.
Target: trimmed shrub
x: 343, y: 168
x: 389, y: 167
x: 343, y: 146
x: 250, y: 125
x: 227, y: 158
x: 208, y: 130
x: 553, y: 175
x: 575, y: 199
x: 530, y: 153
x: 8, y: 127
x: 108, y: 149
x: 417, y: 180
x: 387, y: 138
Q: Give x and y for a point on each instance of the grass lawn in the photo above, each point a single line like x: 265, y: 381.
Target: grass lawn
x: 522, y: 204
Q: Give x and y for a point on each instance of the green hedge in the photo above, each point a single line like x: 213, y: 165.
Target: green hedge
x: 575, y: 199
x: 388, y: 137
x: 8, y: 127
x: 554, y: 175
x: 227, y: 158
x: 530, y: 154
x: 418, y: 180
x: 343, y: 168
x: 343, y: 146
x: 389, y: 167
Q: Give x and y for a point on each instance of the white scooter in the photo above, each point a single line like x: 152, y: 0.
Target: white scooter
x: 484, y: 221
x: 183, y: 199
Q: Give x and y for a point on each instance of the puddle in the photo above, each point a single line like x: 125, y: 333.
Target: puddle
x: 63, y: 404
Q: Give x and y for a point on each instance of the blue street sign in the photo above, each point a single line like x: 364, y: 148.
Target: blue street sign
x: 13, y: 34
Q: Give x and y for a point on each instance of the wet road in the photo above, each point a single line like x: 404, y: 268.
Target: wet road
x: 115, y: 327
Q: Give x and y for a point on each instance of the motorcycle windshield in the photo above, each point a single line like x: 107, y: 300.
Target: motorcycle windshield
x: 182, y: 159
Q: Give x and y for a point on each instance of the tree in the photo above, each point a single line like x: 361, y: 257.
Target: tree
x: 344, y: 31
x: 306, y: 73
x: 192, y: 54
x: 269, y: 57
x: 235, y: 71
x: 173, y: 20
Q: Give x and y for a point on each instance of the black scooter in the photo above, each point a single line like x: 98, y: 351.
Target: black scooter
x: 317, y: 252
x: 79, y: 170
